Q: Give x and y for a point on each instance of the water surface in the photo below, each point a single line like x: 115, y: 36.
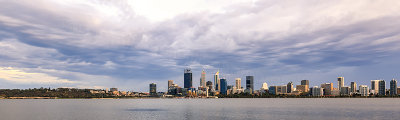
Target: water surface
x: 203, y: 109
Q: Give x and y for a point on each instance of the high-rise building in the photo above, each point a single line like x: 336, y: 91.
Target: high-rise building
x: 203, y: 79
x: 340, y: 82
x: 170, y: 83
x: 250, y: 83
x: 328, y: 88
x: 290, y: 87
x: 188, y: 78
x: 209, y: 85
x: 382, y: 87
x: 238, y: 83
x: 317, y: 91
x: 305, y: 82
x: 375, y: 86
x: 363, y: 90
x: 153, y: 89
x: 345, y: 90
x: 302, y: 88
x: 223, y: 86
x: 264, y: 86
x: 393, y: 87
x: 217, y: 81
x: 353, y: 87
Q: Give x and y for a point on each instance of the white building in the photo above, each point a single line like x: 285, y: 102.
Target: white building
x: 317, y: 91
x: 363, y: 89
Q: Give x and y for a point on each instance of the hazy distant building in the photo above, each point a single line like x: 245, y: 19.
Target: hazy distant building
x: 363, y: 90
x: 317, y: 91
x: 375, y: 86
x: 223, y: 86
x: 188, y: 78
x: 113, y: 89
x: 302, y: 88
x: 382, y: 87
x: 328, y: 88
x: 217, y: 81
x: 305, y: 82
x: 203, y: 79
x: 345, y: 90
x: 353, y: 87
x: 250, y: 83
x: 340, y: 82
x: 153, y: 89
x: 393, y: 87
x: 170, y: 83
x: 238, y: 83
x: 290, y: 87
x: 264, y: 86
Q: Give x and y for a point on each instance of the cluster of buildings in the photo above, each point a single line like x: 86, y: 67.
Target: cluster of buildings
x: 219, y: 85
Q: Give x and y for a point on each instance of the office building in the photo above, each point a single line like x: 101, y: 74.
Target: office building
x: 328, y: 88
x: 305, y: 82
x: 382, y: 87
x: 375, y: 86
x: 272, y: 90
x: 363, y: 90
x: 290, y: 87
x: 238, y: 83
x: 170, y: 83
x: 217, y: 81
x: 353, y: 87
x: 393, y: 87
x: 250, y: 83
x: 203, y: 79
x: 264, y: 86
x: 223, y: 86
x: 113, y: 89
x: 302, y: 88
x: 317, y: 91
x: 188, y: 78
x: 345, y: 90
x: 153, y: 89
x: 340, y: 82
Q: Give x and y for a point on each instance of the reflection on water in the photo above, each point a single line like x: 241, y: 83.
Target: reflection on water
x: 214, y: 109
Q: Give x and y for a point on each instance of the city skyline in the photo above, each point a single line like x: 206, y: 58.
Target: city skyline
x: 129, y: 44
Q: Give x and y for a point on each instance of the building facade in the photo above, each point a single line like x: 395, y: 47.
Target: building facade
x: 340, y: 82
x: 363, y: 90
x: 393, y: 87
x: 223, y: 86
x: 353, y: 87
x: 217, y: 81
x: 203, y: 79
x: 382, y: 87
x: 188, y: 78
x: 250, y: 83
x: 290, y: 87
x: 153, y: 89
x: 317, y: 91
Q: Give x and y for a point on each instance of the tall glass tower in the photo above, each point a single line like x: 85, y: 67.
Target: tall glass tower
x: 217, y: 81
x: 250, y: 83
x: 203, y: 79
x: 223, y: 86
x: 188, y: 78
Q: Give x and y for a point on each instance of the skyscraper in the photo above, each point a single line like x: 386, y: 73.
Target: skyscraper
x: 316, y: 91
x: 238, y: 83
x: 250, y: 83
x: 328, y: 88
x: 170, y: 83
x: 382, y: 87
x: 223, y: 86
x: 290, y: 87
x: 305, y: 82
x: 209, y: 85
x: 217, y: 81
x: 393, y: 87
x: 353, y: 87
x: 153, y: 89
x: 203, y: 79
x: 363, y: 89
x: 188, y: 78
x: 340, y: 82
x: 375, y: 86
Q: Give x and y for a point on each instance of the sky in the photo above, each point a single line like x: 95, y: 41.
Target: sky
x: 130, y: 44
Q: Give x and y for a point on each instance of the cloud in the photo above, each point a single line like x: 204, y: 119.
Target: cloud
x: 142, y: 41
x: 17, y: 76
